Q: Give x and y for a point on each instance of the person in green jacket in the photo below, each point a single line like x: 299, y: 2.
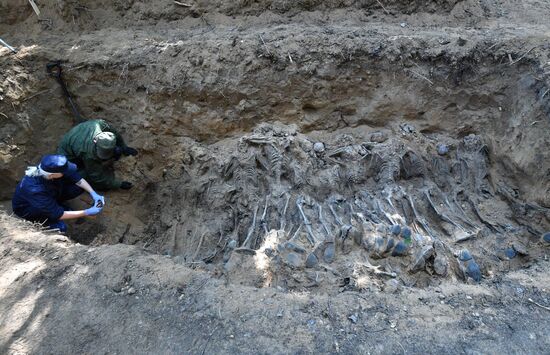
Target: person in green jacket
x: 93, y: 146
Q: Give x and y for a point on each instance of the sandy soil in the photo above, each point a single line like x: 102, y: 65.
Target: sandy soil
x: 271, y: 134
x: 59, y: 297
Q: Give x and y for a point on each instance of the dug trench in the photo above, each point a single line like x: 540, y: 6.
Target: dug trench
x: 314, y: 181
x: 314, y: 145
x: 287, y: 149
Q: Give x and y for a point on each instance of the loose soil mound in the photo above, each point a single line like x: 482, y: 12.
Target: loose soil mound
x: 58, y: 297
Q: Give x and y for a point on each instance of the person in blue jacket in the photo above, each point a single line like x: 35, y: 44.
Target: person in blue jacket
x: 40, y: 194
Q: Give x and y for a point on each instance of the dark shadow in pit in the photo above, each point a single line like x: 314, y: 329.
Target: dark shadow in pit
x: 85, y: 231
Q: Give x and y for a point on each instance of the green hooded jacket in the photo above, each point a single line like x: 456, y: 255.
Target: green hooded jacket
x: 79, y: 148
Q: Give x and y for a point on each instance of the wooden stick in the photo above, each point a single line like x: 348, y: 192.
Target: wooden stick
x: 421, y: 76
x: 198, y: 247
x: 75, y: 68
x: 538, y: 304
x: 378, y: 1
x: 38, y: 93
x: 265, y: 45
x: 520, y: 58
x: 182, y: 4
x: 54, y: 230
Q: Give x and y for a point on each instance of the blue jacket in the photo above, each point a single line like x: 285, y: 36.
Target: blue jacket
x: 38, y: 199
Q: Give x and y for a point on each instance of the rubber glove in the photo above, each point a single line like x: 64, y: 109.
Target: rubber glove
x: 126, y: 185
x: 92, y: 211
x: 117, y: 154
x: 129, y: 151
x: 99, y: 201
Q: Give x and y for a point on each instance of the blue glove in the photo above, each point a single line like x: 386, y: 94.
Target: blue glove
x: 99, y: 201
x: 92, y: 211
x: 129, y: 151
x: 118, y: 153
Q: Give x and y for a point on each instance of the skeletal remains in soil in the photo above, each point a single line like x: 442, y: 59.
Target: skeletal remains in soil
x: 385, y: 200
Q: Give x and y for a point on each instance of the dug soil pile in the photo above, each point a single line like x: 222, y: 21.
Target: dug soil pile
x: 362, y: 152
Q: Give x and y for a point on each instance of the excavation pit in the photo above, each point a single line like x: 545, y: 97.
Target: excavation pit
x: 280, y: 159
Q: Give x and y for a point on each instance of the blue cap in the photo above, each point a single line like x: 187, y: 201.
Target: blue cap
x: 396, y: 229
x: 57, y: 164
x: 400, y: 249
x: 406, y: 232
x: 472, y: 270
x: 464, y: 255
x: 510, y: 253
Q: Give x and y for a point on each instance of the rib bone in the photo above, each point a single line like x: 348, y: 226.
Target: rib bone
x: 441, y: 215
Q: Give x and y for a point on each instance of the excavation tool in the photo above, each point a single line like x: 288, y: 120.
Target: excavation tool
x: 7, y: 46
x: 54, y: 69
